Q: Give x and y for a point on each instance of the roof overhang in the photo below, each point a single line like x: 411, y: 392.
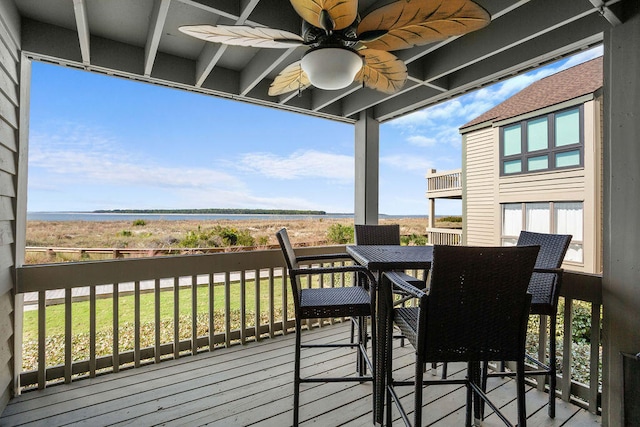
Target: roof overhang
x: 140, y: 40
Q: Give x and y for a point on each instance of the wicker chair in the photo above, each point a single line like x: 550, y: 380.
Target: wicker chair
x: 383, y: 235
x: 366, y: 234
x: 545, y: 288
x: 318, y: 303
x: 476, y: 310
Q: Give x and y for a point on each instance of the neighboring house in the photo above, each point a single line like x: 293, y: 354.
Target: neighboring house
x: 534, y: 162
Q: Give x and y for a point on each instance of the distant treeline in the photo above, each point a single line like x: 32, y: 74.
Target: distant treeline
x: 213, y: 211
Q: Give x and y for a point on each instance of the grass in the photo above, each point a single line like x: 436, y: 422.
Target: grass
x: 55, y: 314
x: 81, y: 338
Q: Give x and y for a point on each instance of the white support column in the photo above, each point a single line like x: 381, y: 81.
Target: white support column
x: 621, y: 235
x: 432, y: 213
x: 367, y: 157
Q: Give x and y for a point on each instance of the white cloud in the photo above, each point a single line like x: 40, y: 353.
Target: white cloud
x: 407, y: 163
x: 410, y: 121
x: 301, y: 164
x: 493, y: 95
x: 585, y: 56
x: 204, y: 198
x: 77, y: 168
x: 87, y: 157
x: 421, y: 141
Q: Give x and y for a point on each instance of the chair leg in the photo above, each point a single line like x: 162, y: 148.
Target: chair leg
x: 522, y: 410
x: 468, y: 411
x: 483, y: 384
x: 296, y: 380
x: 404, y: 304
x: 552, y: 366
x: 362, y: 331
x: 388, y: 331
x: 353, y: 327
x: 417, y: 403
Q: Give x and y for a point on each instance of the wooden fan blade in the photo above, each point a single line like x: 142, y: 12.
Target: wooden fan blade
x: 382, y: 71
x: 342, y: 12
x: 290, y: 79
x: 416, y: 22
x: 243, y: 36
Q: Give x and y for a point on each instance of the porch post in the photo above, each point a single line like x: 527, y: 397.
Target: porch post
x: 621, y: 235
x: 367, y: 152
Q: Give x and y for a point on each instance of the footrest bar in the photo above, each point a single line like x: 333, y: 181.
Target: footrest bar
x: 336, y: 380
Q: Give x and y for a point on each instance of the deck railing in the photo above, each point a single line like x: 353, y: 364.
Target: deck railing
x: 253, y: 282
x: 580, y: 289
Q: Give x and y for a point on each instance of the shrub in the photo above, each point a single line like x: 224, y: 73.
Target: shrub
x: 126, y: 233
x: 139, y: 223
x: 450, y: 219
x: 340, y: 234
x: 419, y: 239
x: 581, y: 332
x: 216, y: 237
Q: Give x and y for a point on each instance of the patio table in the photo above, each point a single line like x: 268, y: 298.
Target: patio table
x: 378, y: 259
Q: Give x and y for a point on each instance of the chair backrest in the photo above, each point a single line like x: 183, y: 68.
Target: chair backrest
x: 478, y: 305
x: 287, y: 249
x: 545, y: 287
x: 292, y: 263
x: 377, y: 234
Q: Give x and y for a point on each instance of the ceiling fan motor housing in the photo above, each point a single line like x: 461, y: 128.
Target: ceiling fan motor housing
x: 331, y: 68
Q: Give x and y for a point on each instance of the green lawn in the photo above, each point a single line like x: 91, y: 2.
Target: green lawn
x: 55, y: 314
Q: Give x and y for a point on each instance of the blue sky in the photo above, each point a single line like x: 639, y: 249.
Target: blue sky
x: 99, y: 142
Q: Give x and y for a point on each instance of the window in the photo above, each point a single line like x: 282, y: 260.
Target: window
x: 553, y: 141
x: 546, y: 217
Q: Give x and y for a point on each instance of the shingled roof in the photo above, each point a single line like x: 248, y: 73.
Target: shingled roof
x: 565, y: 85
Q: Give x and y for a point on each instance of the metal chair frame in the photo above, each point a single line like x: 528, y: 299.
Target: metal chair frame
x: 317, y: 303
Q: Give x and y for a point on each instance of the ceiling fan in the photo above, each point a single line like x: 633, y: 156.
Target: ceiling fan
x: 345, y: 48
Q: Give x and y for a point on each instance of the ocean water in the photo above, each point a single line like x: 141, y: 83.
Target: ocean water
x: 90, y: 216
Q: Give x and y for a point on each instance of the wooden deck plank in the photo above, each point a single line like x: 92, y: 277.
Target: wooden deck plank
x: 252, y: 385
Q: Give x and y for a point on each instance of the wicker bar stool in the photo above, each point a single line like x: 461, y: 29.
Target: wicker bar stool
x: 319, y: 303
x: 476, y: 310
x: 379, y: 235
x: 545, y: 288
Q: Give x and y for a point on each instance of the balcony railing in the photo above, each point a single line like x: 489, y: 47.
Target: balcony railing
x: 254, y: 282
x: 444, y: 236
x: 444, y: 184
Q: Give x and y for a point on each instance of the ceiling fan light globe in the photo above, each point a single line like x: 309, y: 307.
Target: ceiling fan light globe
x: 331, y: 68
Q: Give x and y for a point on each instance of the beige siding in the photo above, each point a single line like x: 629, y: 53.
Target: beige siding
x: 593, y: 187
x: 480, y: 187
x: 543, y: 187
x: 9, y: 111
x: 485, y: 190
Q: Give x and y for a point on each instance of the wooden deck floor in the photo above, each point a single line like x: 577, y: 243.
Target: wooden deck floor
x: 252, y: 385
